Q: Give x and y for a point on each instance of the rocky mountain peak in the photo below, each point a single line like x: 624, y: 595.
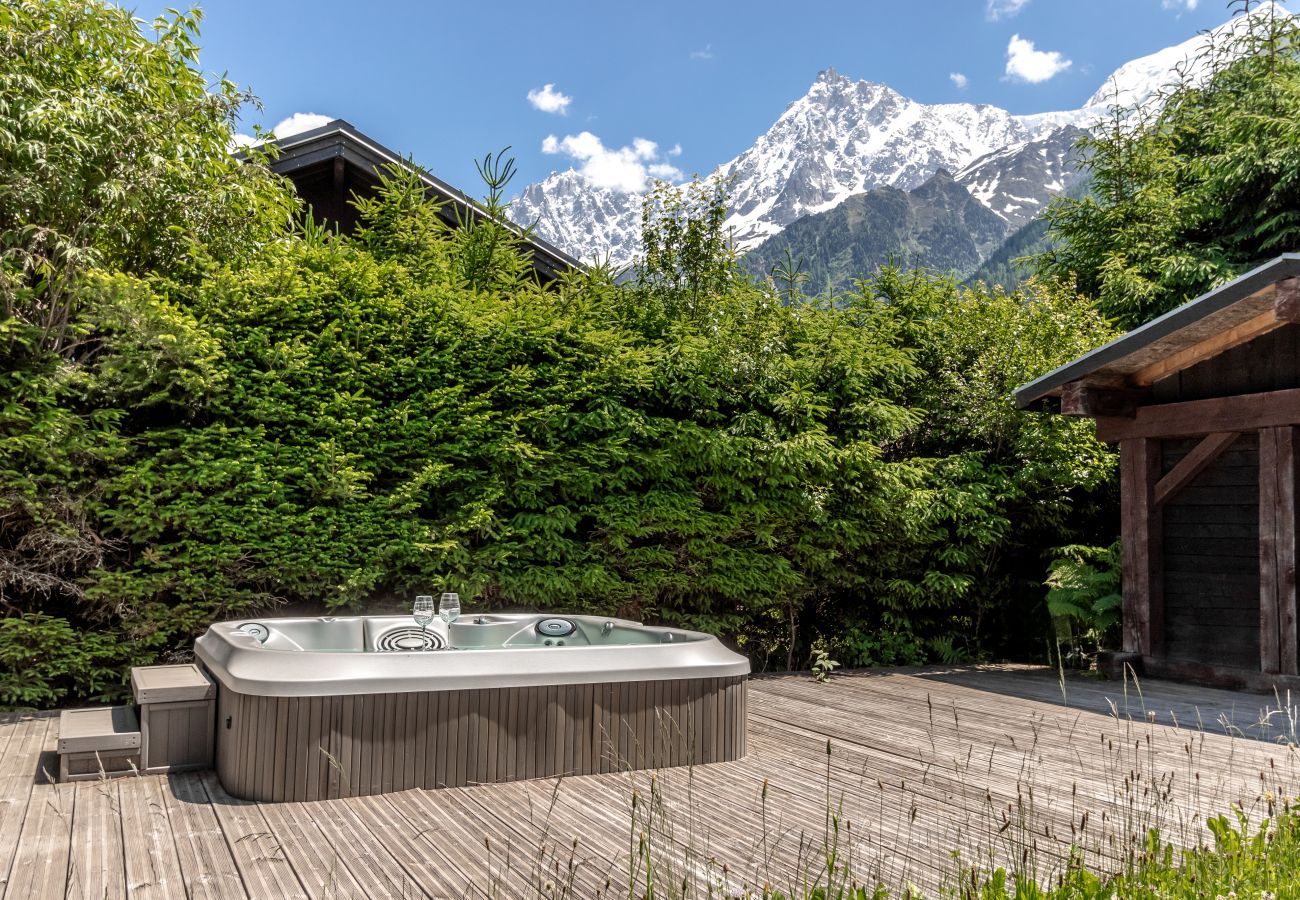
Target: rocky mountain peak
x: 846, y: 137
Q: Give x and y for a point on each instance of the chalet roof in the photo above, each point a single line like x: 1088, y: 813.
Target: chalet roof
x: 1230, y: 315
x: 339, y: 140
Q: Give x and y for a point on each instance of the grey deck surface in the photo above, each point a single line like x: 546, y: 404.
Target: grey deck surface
x: 1264, y: 717
x: 990, y: 762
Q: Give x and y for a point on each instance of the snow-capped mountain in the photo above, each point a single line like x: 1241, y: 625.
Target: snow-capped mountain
x: 592, y: 223
x: 847, y: 137
x: 1017, y: 182
x: 843, y: 138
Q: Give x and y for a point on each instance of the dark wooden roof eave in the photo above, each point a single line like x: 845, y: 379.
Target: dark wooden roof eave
x: 1229, y: 315
x: 338, y: 139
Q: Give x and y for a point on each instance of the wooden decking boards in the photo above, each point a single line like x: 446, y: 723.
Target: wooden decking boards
x: 986, y: 762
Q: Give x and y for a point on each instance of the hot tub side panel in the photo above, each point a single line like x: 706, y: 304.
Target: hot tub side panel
x: 314, y: 748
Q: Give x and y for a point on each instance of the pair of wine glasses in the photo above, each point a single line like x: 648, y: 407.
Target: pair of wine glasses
x: 448, y: 609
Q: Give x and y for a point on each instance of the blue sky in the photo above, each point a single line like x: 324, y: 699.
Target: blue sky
x: 447, y: 82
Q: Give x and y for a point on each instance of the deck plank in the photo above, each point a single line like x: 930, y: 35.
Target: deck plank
x: 153, y: 868
x: 208, y: 865
x: 258, y: 852
x: 18, y: 765
x: 40, y: 863
x: 97, y: 868
x: 323, y: 873
x: 355, y: 848
x: 921, y: 762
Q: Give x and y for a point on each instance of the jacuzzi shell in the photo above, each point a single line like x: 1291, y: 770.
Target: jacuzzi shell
x: 312, y: 712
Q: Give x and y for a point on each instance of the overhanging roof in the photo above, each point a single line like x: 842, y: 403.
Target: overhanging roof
x: 340, y: 140
x: 1239, y: 310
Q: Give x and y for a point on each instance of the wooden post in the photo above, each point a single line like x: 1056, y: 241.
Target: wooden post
x: 1277, y: 550
x: 1144, y: 608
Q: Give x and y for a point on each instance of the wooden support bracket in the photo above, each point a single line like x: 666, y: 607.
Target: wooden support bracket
x: 1286, y: 300
x: 1191, y: 465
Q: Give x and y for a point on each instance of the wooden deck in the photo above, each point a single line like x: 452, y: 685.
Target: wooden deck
x: 992, y: 763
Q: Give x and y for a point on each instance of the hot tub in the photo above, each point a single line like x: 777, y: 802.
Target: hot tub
x: 315, y: 708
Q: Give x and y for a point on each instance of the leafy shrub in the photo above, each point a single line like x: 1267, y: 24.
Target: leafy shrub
x: 1084, y: 599
x: 44, y: 660
x: 207, y: 413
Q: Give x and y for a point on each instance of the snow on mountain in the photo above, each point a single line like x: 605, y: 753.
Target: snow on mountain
x: 593, y: 223
x: 844, y: 138
x: 1018, y: 181
x: 1143, y: 79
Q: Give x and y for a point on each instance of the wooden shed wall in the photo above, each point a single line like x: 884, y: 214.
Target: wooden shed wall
x: 1268, y: 363
x: 1211, y: 558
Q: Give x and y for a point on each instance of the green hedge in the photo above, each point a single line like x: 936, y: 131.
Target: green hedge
x: 226, y: 421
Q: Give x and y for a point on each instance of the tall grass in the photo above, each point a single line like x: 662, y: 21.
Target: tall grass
x: 1081, y: 809
x: 1072, y: 807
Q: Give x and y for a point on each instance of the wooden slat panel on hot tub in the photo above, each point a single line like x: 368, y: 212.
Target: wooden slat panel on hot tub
x: 316, y: 748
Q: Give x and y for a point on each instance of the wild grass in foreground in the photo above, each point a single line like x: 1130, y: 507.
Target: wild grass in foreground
x: 971, y: 806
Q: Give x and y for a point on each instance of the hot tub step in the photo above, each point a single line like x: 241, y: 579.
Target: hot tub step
x: 176, y: 710
x: 98, y: 742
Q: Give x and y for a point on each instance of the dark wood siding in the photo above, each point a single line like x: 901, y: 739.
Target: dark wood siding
x: 1268, y: 363
x: 1211, y: 558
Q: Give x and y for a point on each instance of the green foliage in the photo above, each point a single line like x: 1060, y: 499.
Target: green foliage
x: 822, y: 664
x: 685, y: 253
x: 114, y: 167
x: 113, y: 153
x: 230, y: 415
x: 1246, y: 860
x: 1084, y: 598
x: 44, y: 660
x: 999, y: 483
x: 1185, y: 199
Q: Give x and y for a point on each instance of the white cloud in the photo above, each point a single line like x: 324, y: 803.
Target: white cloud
x: 626, y: 169
x: 676, y: 151
x: 1180, y: 5
x: 1024, y: 63
x: 548, y: 99
x: 300, y: 122
x: 1003, y: 9
x: 294, y: 124
x: 706, y: 53
x: 959, y: 80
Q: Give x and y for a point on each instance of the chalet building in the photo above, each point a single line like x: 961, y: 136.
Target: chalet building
x: 1204, y: 403
x: 330, y: 164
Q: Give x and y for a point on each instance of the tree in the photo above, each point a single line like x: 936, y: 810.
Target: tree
x: 1191, y: 195
x: 115, y: 171
x: 114, y: 153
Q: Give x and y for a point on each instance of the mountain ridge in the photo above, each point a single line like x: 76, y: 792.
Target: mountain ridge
x: 843, y: 138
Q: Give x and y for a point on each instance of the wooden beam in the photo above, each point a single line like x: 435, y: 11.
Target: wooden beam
x: 1091, y: 400
x: 1191, y: 465
x: 1140, y: 529
x: 1277, y: 550
x: 1286, y: 300
x: 1212, y: 346
x: 1243, y: 412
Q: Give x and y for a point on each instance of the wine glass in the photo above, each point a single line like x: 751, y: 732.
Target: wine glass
x: 449, y: 608
x: 422, y: 612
